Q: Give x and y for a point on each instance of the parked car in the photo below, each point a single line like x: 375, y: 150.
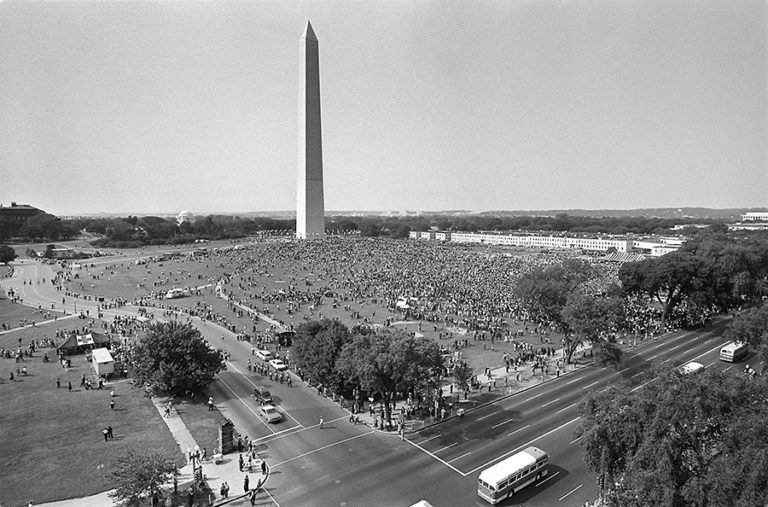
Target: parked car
x: 264, y: 354
x: 262, y: 395
x: 270, y: 414
x: 278, y: 364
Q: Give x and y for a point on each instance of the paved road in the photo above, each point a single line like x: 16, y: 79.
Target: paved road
x: 343, y: 464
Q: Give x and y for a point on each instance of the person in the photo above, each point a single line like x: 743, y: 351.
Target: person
x: 210, y: 403
x: 70, y: 385
x: 245, y: 484
x: 58, y: 383
x: 224, y: 489
x: 321, y: 423
x: 190, y: 497
x: 112, y: 404
x: 264, y: 467
x: 105, y: 433
x: 109, y: 432
x: 241, y: 462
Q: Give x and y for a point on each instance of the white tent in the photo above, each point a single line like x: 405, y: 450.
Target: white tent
x: 102, y: 361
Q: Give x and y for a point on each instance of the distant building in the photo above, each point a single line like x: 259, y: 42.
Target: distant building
x: 185, y: 216
x: 654, y: 246
x: 19, y: 212
x: 755, y: 216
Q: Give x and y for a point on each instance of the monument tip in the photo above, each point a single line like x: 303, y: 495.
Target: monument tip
x: 309, y: 33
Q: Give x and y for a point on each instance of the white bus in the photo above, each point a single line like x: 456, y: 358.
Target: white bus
x: 504, y: 479
x: 733, y: 351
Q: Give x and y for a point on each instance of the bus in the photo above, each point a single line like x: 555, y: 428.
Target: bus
x: 733, y: 351
x: 506, y: 478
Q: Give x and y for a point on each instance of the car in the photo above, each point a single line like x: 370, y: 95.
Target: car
x: 278, y: 364
x: 264, y: 354
x: 692, y: 367
x: 262, y: 395
x: 270, y: 414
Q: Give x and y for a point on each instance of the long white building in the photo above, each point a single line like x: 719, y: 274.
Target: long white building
x: 655, y: 246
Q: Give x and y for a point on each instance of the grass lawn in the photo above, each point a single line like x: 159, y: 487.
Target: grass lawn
x: 201, y: 423
x: 12, y: 313
x: 122, y: 278
x: 51, y: 438
x: 48, y: 330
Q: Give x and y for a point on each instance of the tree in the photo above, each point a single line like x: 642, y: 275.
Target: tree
x: 685, y: 439
x: 139, y: 474
x: 546, y: 291
x: 750, y: 327
x: 48, y: 254
x: 174, y: 357
x: 7, y: 254
x: 593, y: 319
x: 462, y: 373
x: 387, y: 362
x: 317, y: 347
x: 668, y: 278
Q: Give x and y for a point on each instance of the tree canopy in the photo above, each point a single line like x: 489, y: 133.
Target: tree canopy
x: 556, y: 295
x: 138, y: 474
x: 684, y: 439
x: 317, y: 347
x: 174, y: 357
x: 387, y: 362
x: 7, y: 254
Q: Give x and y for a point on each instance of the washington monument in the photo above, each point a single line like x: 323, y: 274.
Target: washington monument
x: 310, y: 217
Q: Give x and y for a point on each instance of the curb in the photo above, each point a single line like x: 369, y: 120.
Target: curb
x: 410, y: 432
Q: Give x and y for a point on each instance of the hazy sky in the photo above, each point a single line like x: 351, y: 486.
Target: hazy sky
x: 167, y: 106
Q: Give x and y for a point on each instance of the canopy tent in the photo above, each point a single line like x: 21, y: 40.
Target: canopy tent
x: 79, y: 343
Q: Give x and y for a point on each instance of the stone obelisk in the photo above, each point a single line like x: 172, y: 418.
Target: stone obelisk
x: 310, y: 216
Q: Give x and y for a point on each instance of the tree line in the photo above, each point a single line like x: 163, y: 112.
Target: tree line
x: 40, y: 227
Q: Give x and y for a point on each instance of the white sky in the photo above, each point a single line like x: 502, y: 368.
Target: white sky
x: 157, y: 107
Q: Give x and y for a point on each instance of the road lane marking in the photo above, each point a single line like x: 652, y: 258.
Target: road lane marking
x: 731, y: 366
x: 446, y: 447
x: 532, y: 397
x: 255, y: 385
x: 246, y: 405
x: 513, y: 451
x: 571, y: 491
x: 637, y: 374
x: 550, y: 402
x: 320, y: 449
x: 518, y: 429
x: 575, y: 440
x: 643, y: 385
x: 572, y: 381
x: 503, y: 423
x: 545, y: 480
x: 604, y: 389
x: 459, y: 457
x: 590, y: 385
x: 431, y: 438
x: 566, y: 408
x: 436, y: 457
x: 487, y: 416
x: 710, y: 364
x: 707, y: 352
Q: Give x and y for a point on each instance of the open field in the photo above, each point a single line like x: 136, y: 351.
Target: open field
x: 14, y: 314
x: 260, y: 276
x: 47, y: 330
x: 52, y: 438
